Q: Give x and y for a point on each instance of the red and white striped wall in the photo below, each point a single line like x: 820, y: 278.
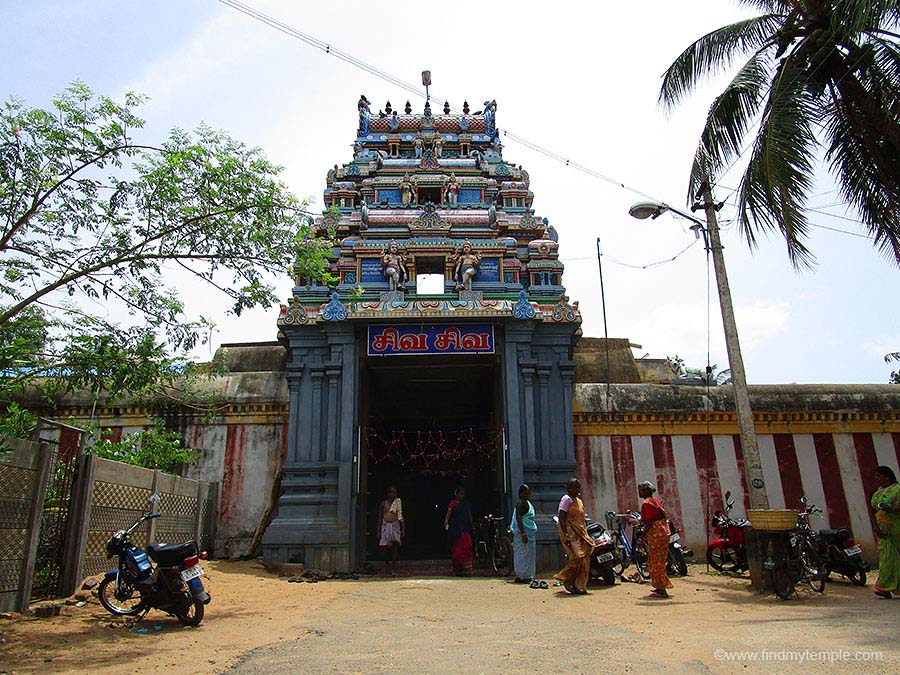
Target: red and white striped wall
x: 693, y: 472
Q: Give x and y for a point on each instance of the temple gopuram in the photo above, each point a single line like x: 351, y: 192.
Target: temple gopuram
x: 441, y: 354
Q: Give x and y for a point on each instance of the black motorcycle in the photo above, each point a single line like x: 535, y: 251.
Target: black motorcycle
x: 135, y: 586
x: 603, y: 556
x: 676, y: 565
x: 603, y: 559
x: 842, y: 555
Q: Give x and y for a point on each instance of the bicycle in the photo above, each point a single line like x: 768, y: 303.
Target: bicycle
x: 801, y: 561
x: 493, y: 544
x: 627, y: 549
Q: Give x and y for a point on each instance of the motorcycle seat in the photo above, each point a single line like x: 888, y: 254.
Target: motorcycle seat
x: 168, y: 554
x: 836, y: 535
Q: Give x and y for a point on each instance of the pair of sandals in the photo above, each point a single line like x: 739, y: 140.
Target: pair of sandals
x: 884, y: 594
x: 538, y: 584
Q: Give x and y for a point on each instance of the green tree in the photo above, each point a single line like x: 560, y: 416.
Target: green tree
x: 819, y: 76
x: 154, y: 448
x: 93, y: 218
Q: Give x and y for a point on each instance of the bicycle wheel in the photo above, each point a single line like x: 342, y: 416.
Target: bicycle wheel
x: 812, y: 570
x: 501, y: 554
x: 782, y: 581
x: 641, y: 555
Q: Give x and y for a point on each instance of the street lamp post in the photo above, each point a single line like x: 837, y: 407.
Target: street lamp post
x: 752, y: 463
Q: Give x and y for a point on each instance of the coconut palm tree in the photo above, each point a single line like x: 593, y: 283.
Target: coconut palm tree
x: 820, y: 76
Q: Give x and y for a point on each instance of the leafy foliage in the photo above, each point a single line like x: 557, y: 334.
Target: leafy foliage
x: 17, y: 422
x: 154, y: 448
x: 895, y: 375
x: 820, y: 77
x: 93, y: 223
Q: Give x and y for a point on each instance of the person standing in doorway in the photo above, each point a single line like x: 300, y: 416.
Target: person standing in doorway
x: 458, y: 524
x: 656, y: 529
x: 524, y: 537
x: 576, y: 541
x: 391, y: 529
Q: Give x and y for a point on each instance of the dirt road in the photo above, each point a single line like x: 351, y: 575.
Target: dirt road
x: 260, y: 623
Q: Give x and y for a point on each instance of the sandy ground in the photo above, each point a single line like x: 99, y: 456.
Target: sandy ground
x: 259, y: 623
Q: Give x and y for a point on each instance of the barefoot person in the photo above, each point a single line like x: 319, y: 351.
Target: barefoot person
x: 458, y: 524
x: 575, y: 540
x: 391, y: 529
x: 656, y: 529
x: 886, y: 502
x: 524, y: 531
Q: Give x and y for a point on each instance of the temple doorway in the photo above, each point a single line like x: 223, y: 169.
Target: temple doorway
x: 430, y: 423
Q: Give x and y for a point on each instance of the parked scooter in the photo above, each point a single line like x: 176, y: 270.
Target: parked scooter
x: 135, y: 586
x: 841, y: 554
x: 603, y: 554
x: 727, y: 553
x: 676, y: 564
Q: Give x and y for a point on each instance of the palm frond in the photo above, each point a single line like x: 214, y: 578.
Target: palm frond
x: 883, y: 74
x: 856, y: 16
x: 778, y: 177
x: 729, y: 119
x: 869, y: 171
x: 713, y: 52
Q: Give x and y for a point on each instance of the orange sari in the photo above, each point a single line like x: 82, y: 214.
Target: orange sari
x: 576, y: 573
x: 657, y: 543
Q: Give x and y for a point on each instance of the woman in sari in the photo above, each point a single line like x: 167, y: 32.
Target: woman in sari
x: 575, y: 540
x: 656, y: 529
x: 524, y: 537
x: 458, y: 524
x: 886, y: 502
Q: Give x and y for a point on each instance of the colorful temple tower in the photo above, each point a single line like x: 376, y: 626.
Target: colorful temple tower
x: 468, y: 383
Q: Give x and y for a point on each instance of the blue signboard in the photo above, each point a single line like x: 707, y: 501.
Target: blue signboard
x: 431, y: 339
x: 488, y: 270
x: 371, y: 271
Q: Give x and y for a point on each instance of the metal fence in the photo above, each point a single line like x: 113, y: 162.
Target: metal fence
x: 104, y: 496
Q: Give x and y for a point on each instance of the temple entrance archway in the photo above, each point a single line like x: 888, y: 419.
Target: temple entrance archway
x: 430, y: 423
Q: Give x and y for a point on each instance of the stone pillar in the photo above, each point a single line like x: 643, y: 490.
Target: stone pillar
x: 538, y: 387
x: 313, y: 524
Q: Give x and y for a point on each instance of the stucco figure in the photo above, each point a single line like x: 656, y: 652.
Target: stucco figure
x: 394, y: 262
x: 467, y: 263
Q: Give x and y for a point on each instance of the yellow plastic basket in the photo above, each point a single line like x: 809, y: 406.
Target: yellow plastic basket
x: 777, y: 520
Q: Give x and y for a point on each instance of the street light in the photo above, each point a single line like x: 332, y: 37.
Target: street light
x: 710, y: 229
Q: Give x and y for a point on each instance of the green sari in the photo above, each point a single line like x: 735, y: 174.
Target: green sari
x: 888, y: 539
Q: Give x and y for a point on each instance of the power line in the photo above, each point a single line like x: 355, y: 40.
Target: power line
x: 630, y: 265
x: 415, y: 90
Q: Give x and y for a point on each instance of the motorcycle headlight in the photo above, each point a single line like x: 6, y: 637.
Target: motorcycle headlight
x: 114, y: 545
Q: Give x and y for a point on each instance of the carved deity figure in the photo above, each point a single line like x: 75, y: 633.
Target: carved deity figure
x: 467, y: 263
x: 490, y: 117
x: 365, y: 115
x: 452, y: 190
x: 394, y: 262
x: 393, y: 122
x: 438, y: 146
x: 419, y: 146
x: 406, y: 190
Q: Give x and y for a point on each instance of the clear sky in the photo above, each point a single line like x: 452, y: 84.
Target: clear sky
x: 580, y: 79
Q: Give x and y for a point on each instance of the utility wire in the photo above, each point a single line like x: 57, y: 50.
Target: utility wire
x: 417, y: 91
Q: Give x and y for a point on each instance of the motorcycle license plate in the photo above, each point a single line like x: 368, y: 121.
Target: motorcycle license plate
x: 674, y: 537
x: 604, y: 557
x: 192, y: 572
x: 856, y: 550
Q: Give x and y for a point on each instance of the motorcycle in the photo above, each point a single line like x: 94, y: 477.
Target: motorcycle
x: 728, y: 552
x: 603, y: 554
x: 676, y: 564
x: 842, y: 555
x: 135, y: 586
